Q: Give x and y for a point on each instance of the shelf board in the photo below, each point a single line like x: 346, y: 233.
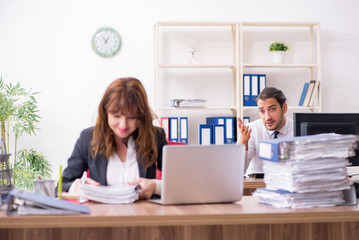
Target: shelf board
x: 196, y: 66
x: 279, y: 24
x: 253, y: 65
x: 194, y: 24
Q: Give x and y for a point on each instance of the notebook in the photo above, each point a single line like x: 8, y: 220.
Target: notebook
x: 202, y: 174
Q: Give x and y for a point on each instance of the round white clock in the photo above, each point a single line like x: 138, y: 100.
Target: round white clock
x: 106, y: 42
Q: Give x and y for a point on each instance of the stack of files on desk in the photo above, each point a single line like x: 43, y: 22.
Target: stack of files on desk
x: 307, y: 171
x: 22, y: 202
x: 109, y: 194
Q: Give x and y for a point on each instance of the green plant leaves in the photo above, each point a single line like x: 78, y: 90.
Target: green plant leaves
x: 278, y: 46
x: 18, y: 115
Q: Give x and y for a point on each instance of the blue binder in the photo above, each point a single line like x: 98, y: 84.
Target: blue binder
x: 231, y: 129
x: 262, y: 82
x: 205, y: 134
x: 173, y: 129
x: 246, y: 120
x: 183, y: 135
x: 269, y: 149
x: 304, y: 93
x: 246, y: 90
x: 254, y: 89
x: 219, y: 134
x: 215, y: 120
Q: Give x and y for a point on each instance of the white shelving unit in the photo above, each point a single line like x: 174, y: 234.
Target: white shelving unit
x: 242, y: 47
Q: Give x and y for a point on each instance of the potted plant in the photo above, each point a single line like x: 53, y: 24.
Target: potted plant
x: 278, y: 49
x: 18, y: 115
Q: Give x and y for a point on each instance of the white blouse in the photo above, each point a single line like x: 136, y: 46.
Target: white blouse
x: 118, y: 172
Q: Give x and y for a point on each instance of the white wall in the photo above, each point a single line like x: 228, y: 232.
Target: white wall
x: 45, y: 45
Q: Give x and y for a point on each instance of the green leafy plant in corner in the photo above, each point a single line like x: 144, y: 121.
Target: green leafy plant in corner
x: 278, y: 46
x: 19, y: 115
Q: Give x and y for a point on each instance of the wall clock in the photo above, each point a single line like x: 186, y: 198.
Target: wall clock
x: 106, y: 42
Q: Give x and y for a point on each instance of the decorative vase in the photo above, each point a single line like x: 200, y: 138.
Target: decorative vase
x: 278, y: 56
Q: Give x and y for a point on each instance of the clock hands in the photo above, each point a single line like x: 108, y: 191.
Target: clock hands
x: 105, y: 39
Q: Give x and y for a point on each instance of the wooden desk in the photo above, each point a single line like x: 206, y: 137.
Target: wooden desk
x: 250, y: 185
x: 245, y: 219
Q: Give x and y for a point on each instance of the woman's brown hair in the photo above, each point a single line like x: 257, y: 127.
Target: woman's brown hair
x: 126, y: 96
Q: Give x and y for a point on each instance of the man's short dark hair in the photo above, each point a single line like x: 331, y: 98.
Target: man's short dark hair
x: 271, y: 92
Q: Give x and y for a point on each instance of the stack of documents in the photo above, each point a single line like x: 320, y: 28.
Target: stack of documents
x: 307, y: 171
x: 187, y: 102
x: 109, y: 194
x: 22, y: 202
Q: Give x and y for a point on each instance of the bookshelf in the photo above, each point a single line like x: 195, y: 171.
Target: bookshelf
x: 224, y: 52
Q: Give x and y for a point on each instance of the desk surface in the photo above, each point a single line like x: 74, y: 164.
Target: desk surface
x: 143, y: 213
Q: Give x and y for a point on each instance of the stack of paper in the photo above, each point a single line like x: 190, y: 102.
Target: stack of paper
x: 109, y: 194
x: 306, y: 171
x: 187, y: 102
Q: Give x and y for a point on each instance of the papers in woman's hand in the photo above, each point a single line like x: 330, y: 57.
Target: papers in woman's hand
x: 109, y: 194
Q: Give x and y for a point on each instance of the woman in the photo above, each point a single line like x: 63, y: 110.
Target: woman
x: 123, y: 147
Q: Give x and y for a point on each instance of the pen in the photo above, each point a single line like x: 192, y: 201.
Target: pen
x: 60, y: 184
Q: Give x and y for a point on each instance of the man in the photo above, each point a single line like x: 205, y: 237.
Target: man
x: 272, y: 107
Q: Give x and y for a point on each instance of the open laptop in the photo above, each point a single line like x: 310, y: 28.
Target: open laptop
x: 202, y: 174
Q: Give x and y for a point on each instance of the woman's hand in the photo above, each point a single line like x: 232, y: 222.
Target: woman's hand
x: 245, y: 132
x: 148, y: 187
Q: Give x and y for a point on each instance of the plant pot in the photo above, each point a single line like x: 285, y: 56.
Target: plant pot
x: 278, y: 56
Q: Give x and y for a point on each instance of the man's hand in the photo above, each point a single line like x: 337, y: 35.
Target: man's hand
x: 245, y: 132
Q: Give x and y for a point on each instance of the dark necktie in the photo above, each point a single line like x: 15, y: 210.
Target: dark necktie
x: 275, y: 134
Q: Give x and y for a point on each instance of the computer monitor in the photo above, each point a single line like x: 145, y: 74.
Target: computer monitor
x: 315, y: 123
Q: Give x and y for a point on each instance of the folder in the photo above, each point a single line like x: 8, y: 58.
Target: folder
x: 184, y: 130
x: 254, y: 89
x: 165, y: 125
x: 304, y: 93
x: 246, y: 89
x: 173, y: 129
x: 246, y: 120
x: 215, y: 120
x: 205, y: 134
x: 262, y: 82
x: 22, y: 202
x: 280, y: 149
x: 219, y: 134
x: 314, y: 93
x: 309, y: 93
x: 231, y: 129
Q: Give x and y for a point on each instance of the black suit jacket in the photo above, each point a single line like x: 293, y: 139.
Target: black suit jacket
x: 81, y: 161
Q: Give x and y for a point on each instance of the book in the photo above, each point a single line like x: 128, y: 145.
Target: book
x: 304, y: 93
x: 309, y: 93
x: 314, y: 94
